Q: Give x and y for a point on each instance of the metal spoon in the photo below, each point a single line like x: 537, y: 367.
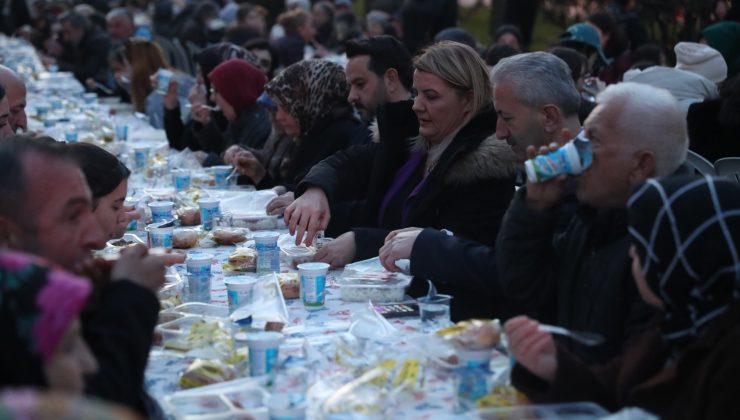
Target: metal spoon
x: 583, y: 337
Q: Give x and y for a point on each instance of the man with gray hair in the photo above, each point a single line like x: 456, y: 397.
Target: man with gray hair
x: 537, y: 104
x: 581, y: 279
x: 15, y: 90
x: 120, y: 24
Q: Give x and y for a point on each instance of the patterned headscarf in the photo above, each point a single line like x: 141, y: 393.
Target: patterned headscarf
x: 37, y: 305
x: 687, y: 233
x: 309, y: 89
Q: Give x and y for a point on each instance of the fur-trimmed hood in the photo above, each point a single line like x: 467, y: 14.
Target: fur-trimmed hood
x: 493, y: 158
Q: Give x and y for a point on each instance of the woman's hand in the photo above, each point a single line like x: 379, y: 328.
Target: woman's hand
x: 398, y: 246
x: 201, y: 113
x: 532, y: 348
x: 339, y: 252
x: 230, y: 154
x: 277, y: 205
x: 308, y: 214
x: 197, y: 95
x: 248, y: 165
x: 171, y: 101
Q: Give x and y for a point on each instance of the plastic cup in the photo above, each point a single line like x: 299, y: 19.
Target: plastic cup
x: 435, y: 311
x: 90, y: 97
x: 475, y: 358
x: 163, y: 80
x: 132, y: 224
x: 161, y: 211
x: 268, y: 253
x: 220, y: 173
x: 122, y: 132
x: 263, y: 351
x: 208, y: 211
x: 313, y: 284
x: 239, y: 291
x: 181, y: 179
x: 70, y: 136
x: 160, y: 237
x: 141, y: 157
x: 42, y: 110
x: 199, y: 277
x: 56, y: 104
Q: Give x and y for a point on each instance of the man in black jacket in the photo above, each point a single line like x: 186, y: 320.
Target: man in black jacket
x: 536, y: 101
x: 46, y: 210
x: 84, y: 50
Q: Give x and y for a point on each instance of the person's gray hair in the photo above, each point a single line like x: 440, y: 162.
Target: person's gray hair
x: 120, y: 11
x: 538, y: 79
x: 461, y: 67
x: 649, y: 118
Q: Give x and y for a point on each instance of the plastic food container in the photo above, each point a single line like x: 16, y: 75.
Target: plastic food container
x: 175, y: 332
x: 254, y: 221
x: 203, y: 309
x: 292, y: 256
x: 356, y: 290
x: 237, y: 399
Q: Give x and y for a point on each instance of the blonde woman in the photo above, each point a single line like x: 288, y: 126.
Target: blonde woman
x: 435, y: 163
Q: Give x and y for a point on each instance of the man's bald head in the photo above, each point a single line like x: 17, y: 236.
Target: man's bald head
x: 15, y: 90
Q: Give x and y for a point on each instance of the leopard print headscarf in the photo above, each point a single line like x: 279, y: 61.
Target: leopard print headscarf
x: 309, y: 89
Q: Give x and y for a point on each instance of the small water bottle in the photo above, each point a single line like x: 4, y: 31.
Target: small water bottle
x: 572, y: 158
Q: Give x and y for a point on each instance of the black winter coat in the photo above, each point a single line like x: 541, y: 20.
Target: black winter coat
x: 331, y: 133
x: 89, y: 59
x: 580, y: 279
x: 119, y: 332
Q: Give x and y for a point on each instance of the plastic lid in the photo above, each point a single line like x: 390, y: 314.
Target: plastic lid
x: 264, y: 339
x: 195, y: 258
x: 266, y: 236
x: 208, y: 202
x: 161, y: 204
x: 313, y: 266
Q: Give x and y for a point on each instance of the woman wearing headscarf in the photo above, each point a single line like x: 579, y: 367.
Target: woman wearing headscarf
x: 181, y: 136
x: 39, y: 319
x: 686, y: 237
x: 312, y: 108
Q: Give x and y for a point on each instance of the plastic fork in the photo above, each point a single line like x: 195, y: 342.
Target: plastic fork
x: 583, y: 337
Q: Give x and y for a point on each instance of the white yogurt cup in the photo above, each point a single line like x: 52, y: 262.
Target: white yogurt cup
x: 181, y: 179
x: 161, y: 211
x: 263, y: 351
x: 220, y: 173
x: 313, y: 284
x: 208, y: 211
x: 159, y: 237
x: 239, y: 291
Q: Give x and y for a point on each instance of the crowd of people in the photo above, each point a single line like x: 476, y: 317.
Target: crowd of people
x: 401, y: 140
